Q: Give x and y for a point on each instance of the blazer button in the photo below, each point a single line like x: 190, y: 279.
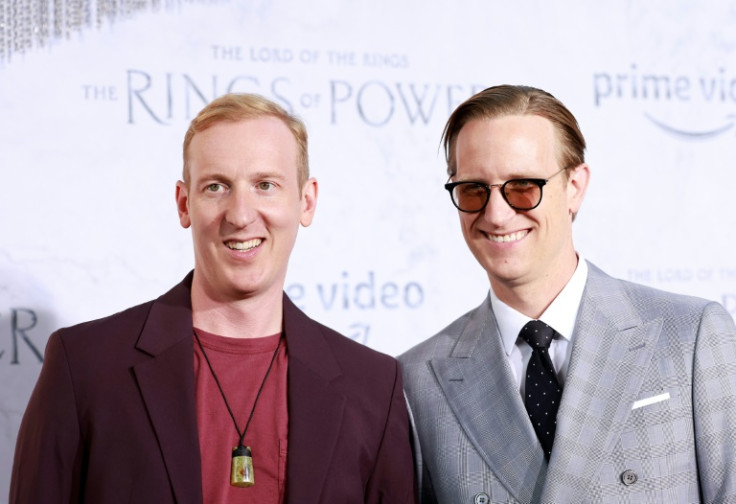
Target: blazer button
x: 628, y: 477
x: 481, y: 498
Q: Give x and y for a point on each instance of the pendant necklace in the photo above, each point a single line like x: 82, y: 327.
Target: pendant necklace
x: 241, y: 468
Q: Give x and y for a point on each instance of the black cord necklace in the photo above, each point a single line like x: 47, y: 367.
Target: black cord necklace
x: 241, y: 469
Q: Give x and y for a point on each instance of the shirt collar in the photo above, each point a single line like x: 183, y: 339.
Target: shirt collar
x: 560, y: 314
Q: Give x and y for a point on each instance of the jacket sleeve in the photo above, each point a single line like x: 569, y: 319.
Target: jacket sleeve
x: 47, y: 464
x: 392, y: 480
x: 425, y: 491
x: 714, y: 404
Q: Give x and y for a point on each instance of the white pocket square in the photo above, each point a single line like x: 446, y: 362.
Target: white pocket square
x: 650, y: 400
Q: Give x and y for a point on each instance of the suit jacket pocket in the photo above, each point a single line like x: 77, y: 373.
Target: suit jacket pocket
x: 661, y: 433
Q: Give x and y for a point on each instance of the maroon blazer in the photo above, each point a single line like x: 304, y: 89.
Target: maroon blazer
x: 112, y: 417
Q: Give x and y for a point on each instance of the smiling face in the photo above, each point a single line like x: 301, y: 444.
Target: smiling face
x: 244, y: 205
x: 519, y: 249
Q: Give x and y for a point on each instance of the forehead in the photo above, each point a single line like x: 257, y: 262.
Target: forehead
x: 519, y: 143
x: 259, y: 143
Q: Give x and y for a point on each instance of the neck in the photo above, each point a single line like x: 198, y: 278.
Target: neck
x: 250, y: 317
x: 533, y: 297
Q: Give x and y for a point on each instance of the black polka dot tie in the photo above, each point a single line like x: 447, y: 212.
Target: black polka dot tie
x: 542, y: 390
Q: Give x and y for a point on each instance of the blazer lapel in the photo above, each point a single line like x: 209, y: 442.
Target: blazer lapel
x: 166, y: 383
x: 315, y: 408
x: 478, y: 385
x: 612, y: 349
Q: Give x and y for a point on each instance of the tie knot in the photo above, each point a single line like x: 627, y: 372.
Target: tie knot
x: 537, y: 334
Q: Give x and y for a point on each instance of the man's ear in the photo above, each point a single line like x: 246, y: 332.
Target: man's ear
x: 577, y: 184
x: 182, y: 204
x: 309, y: 201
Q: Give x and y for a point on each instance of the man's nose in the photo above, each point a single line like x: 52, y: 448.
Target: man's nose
x: 497, y: 210
x: 241, y: 208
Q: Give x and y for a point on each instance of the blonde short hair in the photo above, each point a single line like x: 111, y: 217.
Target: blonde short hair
x: 235, y: 107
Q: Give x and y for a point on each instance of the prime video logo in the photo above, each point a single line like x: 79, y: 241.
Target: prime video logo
x: 715, y: 92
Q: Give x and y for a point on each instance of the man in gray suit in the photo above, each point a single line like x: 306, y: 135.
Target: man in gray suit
x: 642, y: 383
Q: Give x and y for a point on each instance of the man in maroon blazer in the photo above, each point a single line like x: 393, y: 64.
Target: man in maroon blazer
x: 221, y: 390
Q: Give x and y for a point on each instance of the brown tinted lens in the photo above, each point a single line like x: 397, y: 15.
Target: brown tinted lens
x: 522, y: 194
x: 470, y: 197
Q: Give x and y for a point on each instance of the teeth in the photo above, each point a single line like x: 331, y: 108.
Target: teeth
x: 246, y: 245
x: 507, y: 238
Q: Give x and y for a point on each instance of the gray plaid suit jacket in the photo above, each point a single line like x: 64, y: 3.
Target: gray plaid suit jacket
x: 648, y: 412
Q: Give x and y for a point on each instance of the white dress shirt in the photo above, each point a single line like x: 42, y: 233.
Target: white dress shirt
x: 560, y: 315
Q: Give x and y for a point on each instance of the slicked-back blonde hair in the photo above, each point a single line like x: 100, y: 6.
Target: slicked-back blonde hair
x: 235, y: 107
x: 506, y: 100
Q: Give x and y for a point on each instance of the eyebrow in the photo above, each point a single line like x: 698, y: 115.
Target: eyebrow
x: 268, y: 174
x: 211, y: 175
x: 513, y: 177
x: 216, y: 174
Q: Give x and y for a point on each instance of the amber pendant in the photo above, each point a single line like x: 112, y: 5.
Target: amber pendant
x: 241, y: 473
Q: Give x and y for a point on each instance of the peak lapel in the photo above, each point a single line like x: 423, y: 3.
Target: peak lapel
x: 612, y: 349
x: 166, y: 382
x: 479, y: 387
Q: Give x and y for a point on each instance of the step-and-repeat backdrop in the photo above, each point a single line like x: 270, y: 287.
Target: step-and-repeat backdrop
x: 95, y: 97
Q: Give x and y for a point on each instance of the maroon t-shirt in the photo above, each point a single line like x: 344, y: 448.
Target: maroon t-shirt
x: 240, y: 365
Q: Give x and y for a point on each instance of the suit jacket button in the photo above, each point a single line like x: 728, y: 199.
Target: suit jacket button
x: 628, y: 477
x: 481, y: 498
